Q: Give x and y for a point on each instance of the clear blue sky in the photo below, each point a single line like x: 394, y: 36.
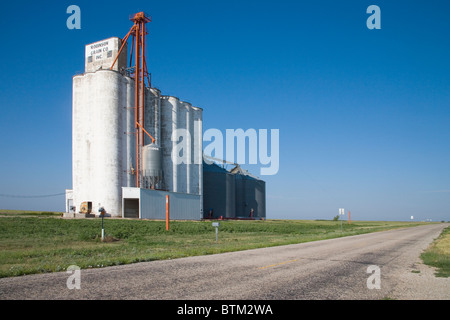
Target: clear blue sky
x: 364, y: 115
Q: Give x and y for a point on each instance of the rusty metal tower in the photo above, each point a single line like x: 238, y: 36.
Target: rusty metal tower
x: 139, y: 72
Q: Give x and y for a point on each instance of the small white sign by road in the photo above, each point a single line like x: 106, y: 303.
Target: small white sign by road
x: 216, y: 225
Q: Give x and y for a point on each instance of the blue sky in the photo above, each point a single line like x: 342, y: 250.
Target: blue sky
x: 363, y: 115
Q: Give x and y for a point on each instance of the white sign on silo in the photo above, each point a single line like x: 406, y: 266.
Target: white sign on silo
x: 101, y: 55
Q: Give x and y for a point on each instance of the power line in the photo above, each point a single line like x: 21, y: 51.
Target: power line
x: 28, y: 196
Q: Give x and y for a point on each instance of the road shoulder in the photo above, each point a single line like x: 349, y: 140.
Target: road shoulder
x: 419, y: 282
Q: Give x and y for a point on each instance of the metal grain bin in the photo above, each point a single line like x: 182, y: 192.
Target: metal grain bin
x: 152, y: 172
x: 250, y: 194
x: 218, y: 191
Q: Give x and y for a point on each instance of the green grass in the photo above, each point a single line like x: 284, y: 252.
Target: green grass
x: 36, y: 243
x: 438, y: 254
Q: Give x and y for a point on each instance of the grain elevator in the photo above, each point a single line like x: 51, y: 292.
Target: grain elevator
x: 123, y: 135
x: 136, y: 152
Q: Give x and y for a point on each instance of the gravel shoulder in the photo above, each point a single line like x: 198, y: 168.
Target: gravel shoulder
x: 420, y: 283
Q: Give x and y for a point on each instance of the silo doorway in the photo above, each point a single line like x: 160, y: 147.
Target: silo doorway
x: 131, y: 208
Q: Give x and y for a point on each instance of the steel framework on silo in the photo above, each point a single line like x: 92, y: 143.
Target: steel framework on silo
x: 139, y: 73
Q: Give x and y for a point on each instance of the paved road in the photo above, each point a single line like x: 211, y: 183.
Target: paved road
x: 329, y: 269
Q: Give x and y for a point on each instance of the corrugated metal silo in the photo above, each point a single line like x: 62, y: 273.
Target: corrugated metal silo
x: 250, y: 194
x: 152, y: 170
x: 218, y: 191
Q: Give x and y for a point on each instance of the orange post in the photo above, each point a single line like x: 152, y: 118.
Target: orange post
x: 167, y: 212
x: 349, y: 218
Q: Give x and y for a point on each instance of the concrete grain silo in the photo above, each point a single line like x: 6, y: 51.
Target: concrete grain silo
x: 180, y: 120
x: 169, y: 112
x: 152, y: 166
x: 99, y: 123
x: 183, y: 140
x: 197, y: 151
x: 152, y: 114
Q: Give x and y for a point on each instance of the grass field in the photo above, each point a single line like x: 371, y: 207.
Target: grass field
x: 37, y: 242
